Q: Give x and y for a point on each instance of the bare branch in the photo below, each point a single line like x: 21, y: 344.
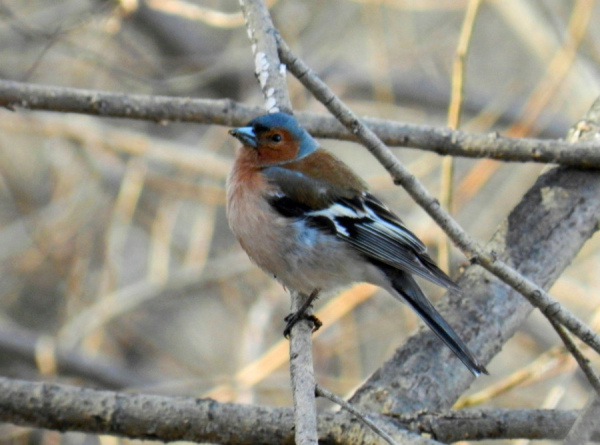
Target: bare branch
x: 303, y: 377
x: 269, y: 71
x: 586, y: 423
x: 167, y: 419
x: 581, y: 359
x: 271, y: 76
x: 536, y: 295
x: 322, y: 392
x: 493, y: 423
x: 20, y: 342
x: 142, y: 416
x: 442, y: 141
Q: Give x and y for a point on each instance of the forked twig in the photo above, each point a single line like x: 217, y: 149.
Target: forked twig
x: 322, y: 392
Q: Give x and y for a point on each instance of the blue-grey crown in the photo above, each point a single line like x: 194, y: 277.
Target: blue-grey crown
x: 289, y: 123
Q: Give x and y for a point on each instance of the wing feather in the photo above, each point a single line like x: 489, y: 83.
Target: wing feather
x: 357, y: 218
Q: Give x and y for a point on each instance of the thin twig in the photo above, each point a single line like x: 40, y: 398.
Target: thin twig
x: 322, y: 392
x: 558, y: 68
x: 443, y: 141
x: 454, y: 111
x: 271, y: 76
x: 534, y: 293
x: 582, y: 360
x: 583, y: 428
x: 19, y: 342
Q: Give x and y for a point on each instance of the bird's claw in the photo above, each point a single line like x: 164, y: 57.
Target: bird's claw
x: 295, y: 317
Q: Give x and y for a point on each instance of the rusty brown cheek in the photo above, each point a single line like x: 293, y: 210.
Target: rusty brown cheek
x: 274, y: 155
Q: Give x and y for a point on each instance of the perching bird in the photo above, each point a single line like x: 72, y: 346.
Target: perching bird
x: 305, y: 217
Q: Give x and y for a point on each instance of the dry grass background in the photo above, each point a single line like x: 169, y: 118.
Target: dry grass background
x: 113, y: 238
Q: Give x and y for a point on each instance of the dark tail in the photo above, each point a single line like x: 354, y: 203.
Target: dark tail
x: 412, y: 294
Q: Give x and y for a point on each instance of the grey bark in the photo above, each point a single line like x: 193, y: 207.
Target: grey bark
x: 540, y: 237
x: 493, y: 423
x: 585, y: 425
x: 14, y: 95
x: 167, y: 419
x: 142, y: 416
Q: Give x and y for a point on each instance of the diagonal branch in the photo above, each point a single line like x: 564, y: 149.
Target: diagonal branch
x: 586, y: 423
x: 536, y: 295
x: 582, y: 360
x: 490, y: 258
x: 322, y: 392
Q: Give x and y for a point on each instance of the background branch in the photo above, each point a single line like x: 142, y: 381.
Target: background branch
x: 22, y: 343
x: 440, y: 140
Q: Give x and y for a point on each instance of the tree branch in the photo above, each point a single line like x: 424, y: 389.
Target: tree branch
x: 442, y: 141
x: 268, y: 69
x: 493, y: 423
x: 582, y: 360
x: 535, y: 294
x: 322, y: 392
x: 539, y: 238
x: 167, y: 419
x: 271, y: 76
x: 586, y: 423
x: 21, y: 343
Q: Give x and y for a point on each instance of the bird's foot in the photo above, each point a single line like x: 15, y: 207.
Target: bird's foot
x: 300, y: 314
x: 295, y: 317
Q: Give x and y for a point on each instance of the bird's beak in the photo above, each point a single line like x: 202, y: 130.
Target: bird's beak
x: 246, y: 136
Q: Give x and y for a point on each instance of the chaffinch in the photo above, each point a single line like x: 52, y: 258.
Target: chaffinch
x: 305, y: 217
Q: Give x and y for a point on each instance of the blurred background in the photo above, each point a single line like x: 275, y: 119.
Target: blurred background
x: 117, y: 267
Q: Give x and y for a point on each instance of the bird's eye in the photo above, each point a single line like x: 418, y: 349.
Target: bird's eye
x: 276, y: 138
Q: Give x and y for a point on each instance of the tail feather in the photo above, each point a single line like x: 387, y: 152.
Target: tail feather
x: 412, y: 294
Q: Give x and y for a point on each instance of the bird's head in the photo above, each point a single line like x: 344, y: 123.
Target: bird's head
x: 275, y: 138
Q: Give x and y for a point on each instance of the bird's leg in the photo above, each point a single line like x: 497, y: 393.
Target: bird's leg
x: 294, y: 317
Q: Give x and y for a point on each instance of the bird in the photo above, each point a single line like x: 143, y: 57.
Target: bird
x: 306, y: 218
